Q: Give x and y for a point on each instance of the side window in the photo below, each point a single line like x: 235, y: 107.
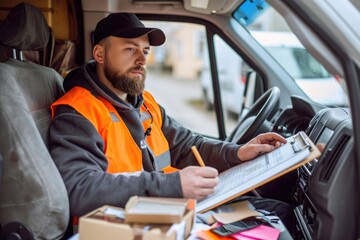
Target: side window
x: 180, y: 78
x: 232, y: 81
x: 173, y: 75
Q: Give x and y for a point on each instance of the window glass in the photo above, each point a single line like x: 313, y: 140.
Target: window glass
x: 298, y: 62
x: 273, y: 33
x: 231, y: 80
x: 174, y: 72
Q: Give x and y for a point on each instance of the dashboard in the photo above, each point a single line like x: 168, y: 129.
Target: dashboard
x: 322, y: 183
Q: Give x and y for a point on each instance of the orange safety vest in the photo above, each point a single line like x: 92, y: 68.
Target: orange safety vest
x: 115, y: 133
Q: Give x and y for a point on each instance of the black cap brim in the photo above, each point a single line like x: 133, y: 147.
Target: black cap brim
x: 156, y: 36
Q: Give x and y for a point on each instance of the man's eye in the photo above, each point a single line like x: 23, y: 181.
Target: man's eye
x: 131, y: 49
x: 146, y: 53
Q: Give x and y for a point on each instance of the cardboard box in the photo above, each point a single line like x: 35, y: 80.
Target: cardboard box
x: 107, y: 222
x: 98, y: 224
x: 155, y: 210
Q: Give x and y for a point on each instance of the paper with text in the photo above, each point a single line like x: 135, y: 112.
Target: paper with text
x: 251, y: 174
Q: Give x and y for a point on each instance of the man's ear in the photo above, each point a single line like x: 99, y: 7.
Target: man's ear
x: 98, y: 53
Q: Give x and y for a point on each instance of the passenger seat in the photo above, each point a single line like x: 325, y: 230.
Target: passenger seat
x: 33, y: 198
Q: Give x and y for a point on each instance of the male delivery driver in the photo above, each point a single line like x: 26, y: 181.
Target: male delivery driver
x: 110, y: 139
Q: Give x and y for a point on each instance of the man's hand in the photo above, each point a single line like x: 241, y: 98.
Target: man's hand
x: 198, y: 182
x: 321, y: 146
x: 262, y: 143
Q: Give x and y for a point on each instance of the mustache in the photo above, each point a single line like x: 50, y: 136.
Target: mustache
x: 138, y: 68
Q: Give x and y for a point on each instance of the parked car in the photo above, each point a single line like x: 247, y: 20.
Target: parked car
x: 284, y: 47
x: 324, y: 194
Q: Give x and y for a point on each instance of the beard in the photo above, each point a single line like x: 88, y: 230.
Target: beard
x: 124, y: 82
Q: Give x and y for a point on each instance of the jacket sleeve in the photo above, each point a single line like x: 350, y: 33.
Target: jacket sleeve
x: 77, y: 150
x: 218, y: 154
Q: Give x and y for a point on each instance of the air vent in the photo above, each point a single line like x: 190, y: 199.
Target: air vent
x: 315, y: 132
x: 315, y: 122
x: 333, y: 157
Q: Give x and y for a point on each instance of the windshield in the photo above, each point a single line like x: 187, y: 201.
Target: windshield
x: 298, y: 62
x: 272, y: 32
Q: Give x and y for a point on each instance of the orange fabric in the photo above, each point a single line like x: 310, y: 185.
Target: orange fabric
x: 116, y: 135
x: 156, y: 140
x: 170, y: 169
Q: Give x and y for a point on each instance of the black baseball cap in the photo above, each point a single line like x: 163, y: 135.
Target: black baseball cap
x: 126, y: 25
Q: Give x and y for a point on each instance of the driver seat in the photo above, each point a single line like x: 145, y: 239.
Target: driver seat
x: 33, y: 197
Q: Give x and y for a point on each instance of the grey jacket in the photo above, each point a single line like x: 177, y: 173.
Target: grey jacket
x: 77, y: 150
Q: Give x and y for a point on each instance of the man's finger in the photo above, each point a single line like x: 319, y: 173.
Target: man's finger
x: 208, y: 172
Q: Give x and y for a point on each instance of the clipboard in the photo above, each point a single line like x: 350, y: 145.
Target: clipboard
x: 298, y: 151
x: 300, y: 141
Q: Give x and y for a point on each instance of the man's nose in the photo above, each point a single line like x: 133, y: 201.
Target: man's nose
x: 141, y: 59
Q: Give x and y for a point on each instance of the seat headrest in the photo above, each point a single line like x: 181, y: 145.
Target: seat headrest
x: 24, y: 28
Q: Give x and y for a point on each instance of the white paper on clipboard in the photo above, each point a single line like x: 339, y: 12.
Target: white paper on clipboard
x: 249, y: 175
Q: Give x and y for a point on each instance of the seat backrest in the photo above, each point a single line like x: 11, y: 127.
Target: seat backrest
x: 31, y: 189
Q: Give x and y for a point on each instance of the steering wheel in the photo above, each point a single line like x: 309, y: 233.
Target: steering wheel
x: 256, y: 117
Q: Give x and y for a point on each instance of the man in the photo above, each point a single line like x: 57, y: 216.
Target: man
x: 110, y: 139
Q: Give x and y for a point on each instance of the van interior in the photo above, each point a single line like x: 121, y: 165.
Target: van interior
x: 41, y: 41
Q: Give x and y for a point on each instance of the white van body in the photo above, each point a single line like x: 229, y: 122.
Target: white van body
x: 229, y: 70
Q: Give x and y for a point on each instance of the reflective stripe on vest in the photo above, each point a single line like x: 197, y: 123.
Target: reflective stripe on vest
x: 115, y: 133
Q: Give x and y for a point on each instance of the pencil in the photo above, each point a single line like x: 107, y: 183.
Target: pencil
x: 197, y: 156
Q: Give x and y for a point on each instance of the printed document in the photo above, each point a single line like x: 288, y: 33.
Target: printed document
x: 251, y: 174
